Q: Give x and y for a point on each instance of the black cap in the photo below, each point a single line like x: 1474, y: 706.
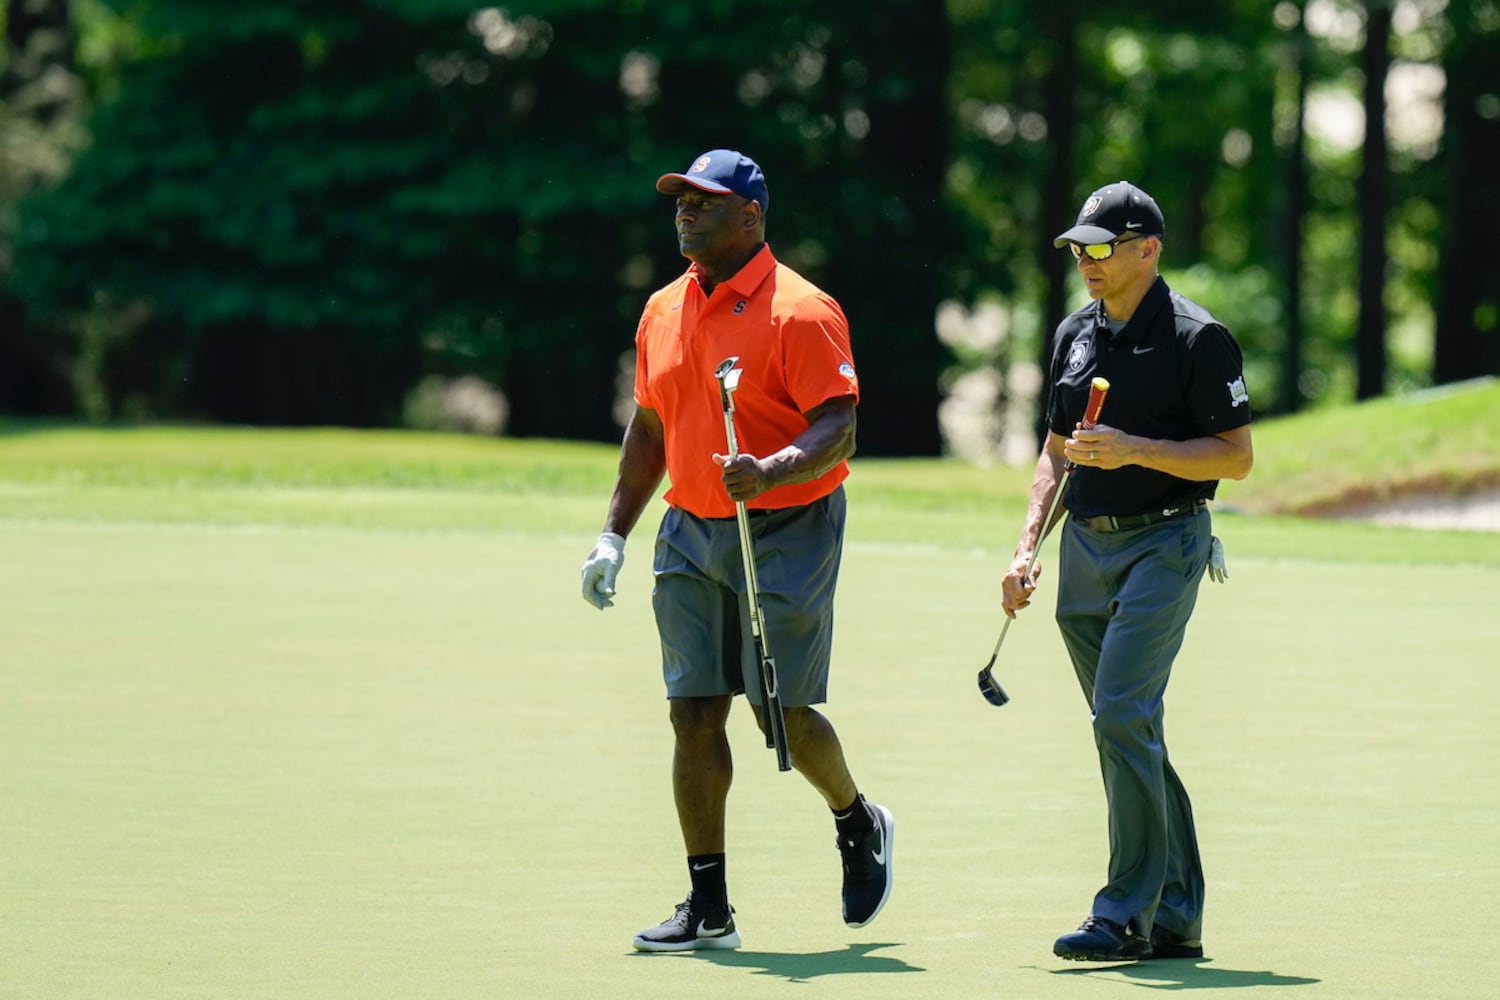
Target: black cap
x: 1111, y: 212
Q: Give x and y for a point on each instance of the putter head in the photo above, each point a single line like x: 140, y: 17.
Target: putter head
x: 990, y: 688
x: 728, y: 377
x: 727, y: 374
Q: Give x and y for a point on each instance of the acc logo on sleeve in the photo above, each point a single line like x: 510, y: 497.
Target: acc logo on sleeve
x: 1237, y: 392
x: 846, y: 370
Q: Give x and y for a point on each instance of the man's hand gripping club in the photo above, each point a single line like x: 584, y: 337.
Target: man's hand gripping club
x: 1019, y: 582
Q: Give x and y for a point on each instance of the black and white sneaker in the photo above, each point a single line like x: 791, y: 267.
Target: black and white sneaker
x: 690, y: 928
x: 867, y: 868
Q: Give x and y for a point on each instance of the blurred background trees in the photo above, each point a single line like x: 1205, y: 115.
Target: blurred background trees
x: 374, y: 213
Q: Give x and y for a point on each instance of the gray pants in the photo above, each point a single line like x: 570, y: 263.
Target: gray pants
x: 1123, y: 605
x: 702, y: 610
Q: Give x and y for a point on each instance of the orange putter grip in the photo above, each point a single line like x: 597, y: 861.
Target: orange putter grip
x: 1097, y: 389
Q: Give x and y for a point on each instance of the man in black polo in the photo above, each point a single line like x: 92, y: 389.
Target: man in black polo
x: 1135, y: 546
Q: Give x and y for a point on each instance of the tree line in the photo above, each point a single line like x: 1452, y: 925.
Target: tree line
x: 295, y: 213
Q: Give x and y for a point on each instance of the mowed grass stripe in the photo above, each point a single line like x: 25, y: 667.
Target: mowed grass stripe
x: 318, y: 762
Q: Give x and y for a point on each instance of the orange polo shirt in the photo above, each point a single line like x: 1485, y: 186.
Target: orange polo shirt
x: 793, y: 344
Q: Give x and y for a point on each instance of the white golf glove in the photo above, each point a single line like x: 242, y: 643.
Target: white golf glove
x: 1217, y: 572
x: 601, y: 568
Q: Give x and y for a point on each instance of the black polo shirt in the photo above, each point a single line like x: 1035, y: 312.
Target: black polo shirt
x: 1174, y: 373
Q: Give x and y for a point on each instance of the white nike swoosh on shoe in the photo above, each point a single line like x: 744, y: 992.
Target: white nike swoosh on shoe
x: 887, y: 836
x: 704, y: 931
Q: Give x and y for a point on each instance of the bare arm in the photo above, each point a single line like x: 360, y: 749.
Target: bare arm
x: 827, y: 441
x: 1015, y: 587
x: 1219, y: 456
x: 643, y: 462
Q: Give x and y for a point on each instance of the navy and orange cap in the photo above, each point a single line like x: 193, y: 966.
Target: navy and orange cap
x: 720, y: 171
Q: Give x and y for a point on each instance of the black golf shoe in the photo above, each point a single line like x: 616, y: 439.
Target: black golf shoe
x: 1101, y: 940
x: 1168, y: 945
x: 690, y: 928
x: 867, y: 868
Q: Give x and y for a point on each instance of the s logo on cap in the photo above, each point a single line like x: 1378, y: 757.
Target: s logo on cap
x: 700, y: 166
x: 1091, y: 206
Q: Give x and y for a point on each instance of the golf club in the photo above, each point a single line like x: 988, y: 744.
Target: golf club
x: 988, y: 685
x: 728, y: 377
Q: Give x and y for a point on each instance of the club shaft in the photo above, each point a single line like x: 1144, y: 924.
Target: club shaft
x: 1001, y: 641
x: 752, y: 579
x: 770, y: 684
x: 987, y: 683
x: 1037, y: 550
x: 1047, y: 523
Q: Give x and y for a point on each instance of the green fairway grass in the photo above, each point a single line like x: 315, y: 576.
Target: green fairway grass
x: 321, y: 714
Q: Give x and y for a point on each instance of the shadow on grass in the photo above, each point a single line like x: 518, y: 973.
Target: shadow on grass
x: 1188, y: 974
x: 801, y: 968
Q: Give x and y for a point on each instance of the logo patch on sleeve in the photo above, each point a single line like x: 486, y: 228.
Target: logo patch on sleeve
x: 1237, y: 392
x: 846, y: 370
x: 1078, y: 354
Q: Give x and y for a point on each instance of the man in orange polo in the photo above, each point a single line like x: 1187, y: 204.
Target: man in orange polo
x: 794, y: 413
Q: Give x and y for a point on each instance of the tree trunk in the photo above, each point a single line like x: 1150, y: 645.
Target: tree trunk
x: 891, y: 296
x: 1057, y: 190
x: 39, y: 38
x: 1289, y: 399
x: 1373, y: 196
x: 1467, y: 342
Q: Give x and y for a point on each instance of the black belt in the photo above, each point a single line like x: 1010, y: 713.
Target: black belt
x: 1108, y: 523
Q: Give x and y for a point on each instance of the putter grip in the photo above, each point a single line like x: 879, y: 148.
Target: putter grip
x: 1097, y: 390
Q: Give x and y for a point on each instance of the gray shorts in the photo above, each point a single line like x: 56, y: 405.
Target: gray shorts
x: 702, y: 612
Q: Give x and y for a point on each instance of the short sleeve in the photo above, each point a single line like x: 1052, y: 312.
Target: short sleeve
x: 819, y: 362
x: 641, y: 392
x: 1217, y: 396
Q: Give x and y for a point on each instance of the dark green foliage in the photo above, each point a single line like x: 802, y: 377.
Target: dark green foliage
x: 294, y: 212
x: 1059, y: 99
x: 368, y: 192
x: 251, y: 186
